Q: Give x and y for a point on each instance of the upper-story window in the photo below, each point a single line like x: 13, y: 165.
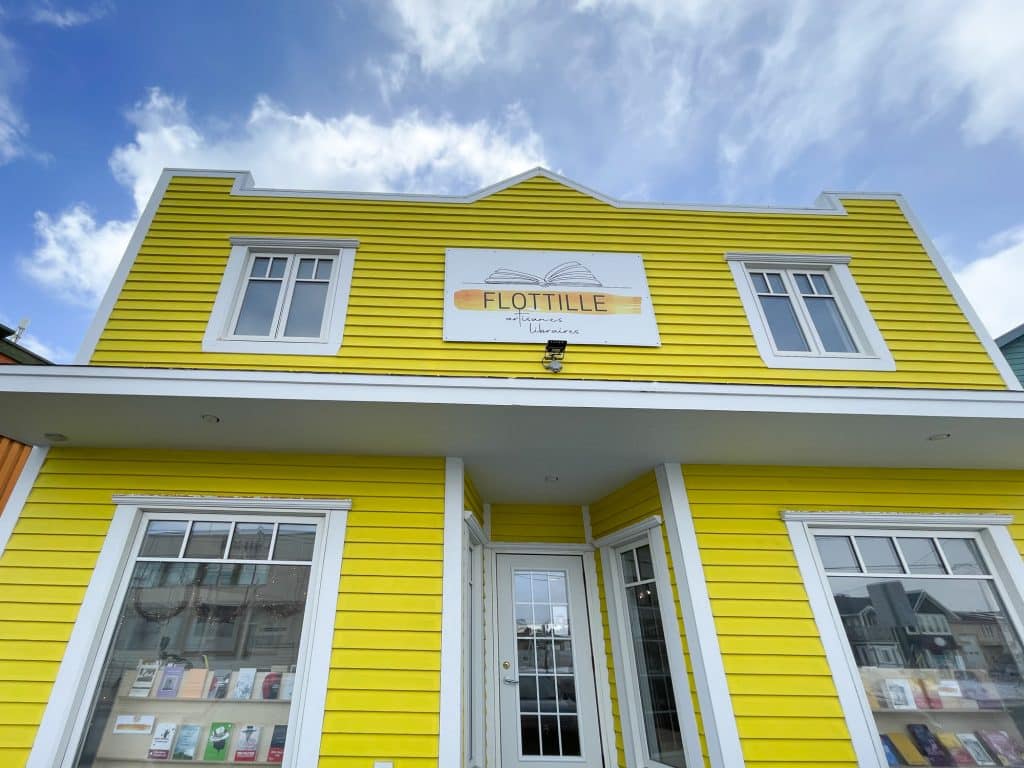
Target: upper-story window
x: 282, y: 296
x: 806, y: 312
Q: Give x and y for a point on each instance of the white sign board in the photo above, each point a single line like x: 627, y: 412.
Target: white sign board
x: 531, y: 296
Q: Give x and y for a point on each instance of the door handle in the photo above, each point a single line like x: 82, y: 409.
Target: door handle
x: 509, y: 680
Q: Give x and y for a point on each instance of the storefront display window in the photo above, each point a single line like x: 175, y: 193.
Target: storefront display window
x: 937, y: 651
x: 204, y: 660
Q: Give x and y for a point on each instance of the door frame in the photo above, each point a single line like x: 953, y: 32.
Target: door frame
x: 605, y: 723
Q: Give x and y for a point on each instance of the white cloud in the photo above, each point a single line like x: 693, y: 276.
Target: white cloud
x: 52, y: 352
x: 77, y: 253
x: 65, y: 18
x: 12, y: 126
x: 994, y: 284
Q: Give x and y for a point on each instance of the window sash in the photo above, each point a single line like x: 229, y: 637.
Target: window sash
x: 282, y: 308
x: 800, y: 310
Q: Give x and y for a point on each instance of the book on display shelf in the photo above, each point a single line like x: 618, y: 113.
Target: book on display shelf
x: 892, y: 755
x: 219, y: 680
x: 193, y: 684
x: 977, y: 750
x: 163, y: 738
x: 903, y: 694
x: 1002, y: 747
x: 910, y: 753
x: 188, y: 742
x: 955, y: 748
x: 244, y: 683
x: 248, y: 744
x: 928, y: 745
x: 171, y: 681
x: 145, y: 677
x: 275, y: 754
x: 217, y: 742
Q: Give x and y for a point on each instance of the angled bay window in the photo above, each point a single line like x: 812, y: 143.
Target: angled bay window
x: 282, y: 296
x: 806, y: 312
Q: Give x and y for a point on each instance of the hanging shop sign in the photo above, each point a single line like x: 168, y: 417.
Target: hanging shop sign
x: 531, y: 296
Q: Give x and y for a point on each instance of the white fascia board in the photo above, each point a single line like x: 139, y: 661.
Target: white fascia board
x: 561, y: 393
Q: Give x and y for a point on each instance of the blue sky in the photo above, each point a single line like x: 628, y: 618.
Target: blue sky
x: 759, y: 102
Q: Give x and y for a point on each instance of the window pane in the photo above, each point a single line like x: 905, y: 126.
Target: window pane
x: 782, y: 322
x: 829, y: 323
x: 921, y: 556
x: 776, y: 282
x: 837, y: 553
x: 803, y: 283
x: 188, y: 653
x: 278, y: 267
x: 251, y: 541
x: 657, y: 698
x: 821, y: 285
x: 259, y: 266
x: 628, y: 567
x: 879, y: 554
x: 963, y: 556
x: 256, y: 317
x: 306, y: 267
x: 643, y: 562
x: 207, y: 540
x: 939, y: 662
x: 306, y: 313
x: 294, y: 542
x: 163, y: 538
x: 323, y: 269
x: 760, y: 284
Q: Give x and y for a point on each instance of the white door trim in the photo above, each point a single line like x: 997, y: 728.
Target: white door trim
x: 449, y: 741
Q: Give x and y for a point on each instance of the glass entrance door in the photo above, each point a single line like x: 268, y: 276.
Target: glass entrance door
x: 546, y: 696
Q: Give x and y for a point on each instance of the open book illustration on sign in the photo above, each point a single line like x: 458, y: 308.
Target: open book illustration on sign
x: 568, y: 273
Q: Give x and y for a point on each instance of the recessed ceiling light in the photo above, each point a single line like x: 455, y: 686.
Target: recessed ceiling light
x: 209, y: 418
x: 55, y: 437
x: 550, y: 478
x: 940, y: 436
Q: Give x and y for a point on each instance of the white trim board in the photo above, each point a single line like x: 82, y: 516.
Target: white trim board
x: 449, y: 747
x: 562, y: 393
x: 720, y: 730
x: 19, y: 494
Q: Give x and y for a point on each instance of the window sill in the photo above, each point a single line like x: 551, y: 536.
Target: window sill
x: 271, y: 347
x: 773, y: 360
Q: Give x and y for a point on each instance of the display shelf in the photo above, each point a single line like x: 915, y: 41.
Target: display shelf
x: 122, y: 762
x: 175, y: 700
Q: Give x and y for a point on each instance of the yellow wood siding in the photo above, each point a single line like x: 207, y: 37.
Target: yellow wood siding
x: 385, y: 665
x: 638, y: 500
x: 395, y: 309
x: 471, y: 500
x: 786, y: 705
x: 13, y: 456
x: 554, y: 523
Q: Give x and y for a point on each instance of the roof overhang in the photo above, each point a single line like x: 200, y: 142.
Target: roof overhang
x: 514, y: 433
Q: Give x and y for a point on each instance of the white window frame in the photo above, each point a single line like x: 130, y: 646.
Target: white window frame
x: 873, y: 353
x: 65, y: 717
x: 647, y: 532
x: 996, y: 546
x: 473, y: 724
x: 219, y: 336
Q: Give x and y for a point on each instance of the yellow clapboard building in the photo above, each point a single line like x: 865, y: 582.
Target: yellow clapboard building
x: 532, y: 478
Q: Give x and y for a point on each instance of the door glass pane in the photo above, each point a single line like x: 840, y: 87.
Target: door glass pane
x: 256, y: 315
x: 548, y: 684
x: 657, y: 698
x: 306, y: 312
x: 782, y: 322
x: 202, y: 662
x: 829, y: 323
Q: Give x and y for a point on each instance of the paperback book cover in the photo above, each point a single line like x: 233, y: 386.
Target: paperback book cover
x: 171, y: 681
x: 960, y: 755
x: 892, y: 755
x: 163, y: 738
x: 145, y: 676
x: 188, y: 742
x: 976, y: 686
x: 911, y: 755
x: 276, y: 752
x: 931, y: 692
x: 217, y: 742
x: 928, y: 745
x: 1001, y: 747
x: 287, y: 684
x: 248, y: 744
x: 978, y: 752
x: 193, y: 684
x: 219, y: 684
x: 244, y: 683
x: 272, y: 685
x: 902, y: 693
x: 128, y: 724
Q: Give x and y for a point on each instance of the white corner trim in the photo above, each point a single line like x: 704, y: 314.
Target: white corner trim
x: 131, y: 252
x: 449, y: 748
x: 623, y: 535
x: 854, y: 703
x: 588, y: 530
x: 19, y: 494
x: 998, y: 360
x: 720, y: 731
x: 476, y: 530
x: 217, y: 336
x: 487, y: 522
x: 897, y: 519
x: 600, y: 655
x: 862, y: 326
x: 232, y: 503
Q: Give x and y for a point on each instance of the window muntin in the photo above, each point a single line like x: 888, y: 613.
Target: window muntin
x: 205, y: 599
x: 284, y: 296
x: 658, y: 715
x: 801, y: 312
x: 939, y: 656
